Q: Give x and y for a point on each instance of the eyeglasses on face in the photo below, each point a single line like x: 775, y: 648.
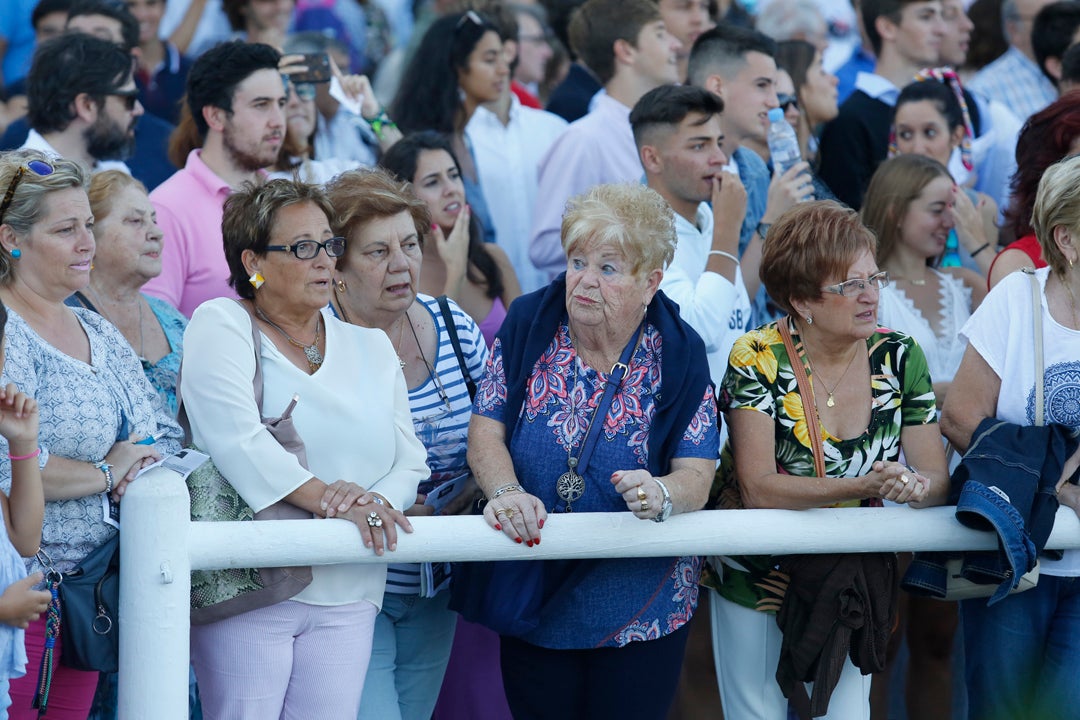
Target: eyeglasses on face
x: 41, y: 168
x: 851, y: 288
x: 130, y: 97
x: 307, y: 249
x: 787, y: 101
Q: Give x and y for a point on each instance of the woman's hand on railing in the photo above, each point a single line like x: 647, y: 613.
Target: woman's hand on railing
x: 639, y: 491
x: 340, y: 495
x: 898, y: 483
x: 378, y: 524
x: 518, y: 515
x: 127, y: 458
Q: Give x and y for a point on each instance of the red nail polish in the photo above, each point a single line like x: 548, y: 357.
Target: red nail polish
x: 528, y: 543
x: 498, y: 526
x: 540, y: 523
x: 537, y: 541
x: 517, y: 540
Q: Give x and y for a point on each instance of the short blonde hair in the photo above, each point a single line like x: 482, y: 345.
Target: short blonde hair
x: 1057, y: 202
x: 629, y: 216
x: 105, y: 186
x: 810, y: 245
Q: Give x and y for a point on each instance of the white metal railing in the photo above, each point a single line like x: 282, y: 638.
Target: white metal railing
x: 160, y: 546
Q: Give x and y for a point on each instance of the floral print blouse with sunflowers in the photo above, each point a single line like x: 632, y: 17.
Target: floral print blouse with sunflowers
x: 760, y: 377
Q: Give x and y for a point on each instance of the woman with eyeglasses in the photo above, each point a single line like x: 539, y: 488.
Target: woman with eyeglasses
x: 832, y: 440
x: 910, y: 206
x: 459, y: 65
x: 297, y: 156
x: 441, y: 353
x: 306, y: 656
x: 95, y: 402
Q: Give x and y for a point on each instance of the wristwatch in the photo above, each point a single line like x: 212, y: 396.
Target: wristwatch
x: 763, y: 229
x: 665, y: 507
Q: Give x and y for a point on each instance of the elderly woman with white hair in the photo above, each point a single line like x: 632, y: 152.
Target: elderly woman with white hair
x: 597, y: 398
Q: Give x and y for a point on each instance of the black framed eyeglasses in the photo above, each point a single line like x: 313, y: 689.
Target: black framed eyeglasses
x: 41, y: 168
x: 787, y: 101
x: 130, y: 97
x: 308, y: 249
x: 851, y: 288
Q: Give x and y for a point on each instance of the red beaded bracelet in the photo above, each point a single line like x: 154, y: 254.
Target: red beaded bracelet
x: 25, y: 457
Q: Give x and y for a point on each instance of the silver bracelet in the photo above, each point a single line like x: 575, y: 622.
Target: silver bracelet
x: 505, y: 489
x: 727, y: 255
x: 107, y: 469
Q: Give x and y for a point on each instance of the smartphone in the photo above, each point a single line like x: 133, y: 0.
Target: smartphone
x: 318, y: 69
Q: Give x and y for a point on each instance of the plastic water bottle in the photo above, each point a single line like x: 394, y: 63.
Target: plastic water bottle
x: 783, y: 142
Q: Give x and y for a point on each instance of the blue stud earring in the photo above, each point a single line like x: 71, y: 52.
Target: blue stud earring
x: 16, y: 253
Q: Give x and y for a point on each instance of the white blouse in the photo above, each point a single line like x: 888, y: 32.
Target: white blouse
x: 353, y: 415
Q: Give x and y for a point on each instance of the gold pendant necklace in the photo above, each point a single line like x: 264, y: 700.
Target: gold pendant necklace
x: 311, y: 352
x: 831, y: 401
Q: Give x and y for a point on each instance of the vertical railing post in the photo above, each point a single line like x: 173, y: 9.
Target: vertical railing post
x: 155, y: 587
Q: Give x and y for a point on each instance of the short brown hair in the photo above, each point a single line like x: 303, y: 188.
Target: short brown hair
x: 249, y: 218
x: 598, y: 24
x: 360, y: 196
x: 895, y: 185
x: 810, y: 245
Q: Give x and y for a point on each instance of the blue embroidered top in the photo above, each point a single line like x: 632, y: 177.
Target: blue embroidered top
x: 621, y: 600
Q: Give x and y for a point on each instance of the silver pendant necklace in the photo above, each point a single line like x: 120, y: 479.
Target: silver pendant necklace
x: 571, y: 486
x: 311, y: 352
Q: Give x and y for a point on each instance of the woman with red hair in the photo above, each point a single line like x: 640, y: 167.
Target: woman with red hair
x: 1047, y: 136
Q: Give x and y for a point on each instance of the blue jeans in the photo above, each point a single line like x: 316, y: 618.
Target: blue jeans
x: 412, y: 643
x: 1023, y: 653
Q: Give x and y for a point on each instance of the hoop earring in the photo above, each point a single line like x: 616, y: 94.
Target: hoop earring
x: 341, y: 286
x: 256, y: 280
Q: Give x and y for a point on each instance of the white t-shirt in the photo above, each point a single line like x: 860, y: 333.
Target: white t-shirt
x: 716, y: 308
x: 1001, y: 331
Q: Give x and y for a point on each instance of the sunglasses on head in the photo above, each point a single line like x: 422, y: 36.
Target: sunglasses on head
x: 469, y: 16
x: 41, y: 168
x: 787, y: 101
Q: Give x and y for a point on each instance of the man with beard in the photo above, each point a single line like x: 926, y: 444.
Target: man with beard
x: 83, y: 103
x: 236, y: 98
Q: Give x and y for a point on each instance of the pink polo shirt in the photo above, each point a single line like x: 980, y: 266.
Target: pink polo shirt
x: 189, y: 207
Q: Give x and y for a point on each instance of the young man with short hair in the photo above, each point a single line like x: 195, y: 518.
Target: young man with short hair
x: 678, y: 132
x: 627, y: 45
x: 737, y: 66
x: 906, y: 36
x: 236, y: 98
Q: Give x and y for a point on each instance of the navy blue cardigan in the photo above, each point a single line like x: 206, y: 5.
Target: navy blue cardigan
x: 531, y: 324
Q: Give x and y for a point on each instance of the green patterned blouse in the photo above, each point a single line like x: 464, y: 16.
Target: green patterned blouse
x: 760, y: 377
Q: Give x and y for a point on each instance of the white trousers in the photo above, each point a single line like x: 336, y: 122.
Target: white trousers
x: 746, y: 649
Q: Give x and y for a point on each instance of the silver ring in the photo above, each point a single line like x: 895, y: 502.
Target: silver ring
x: 373, y: 520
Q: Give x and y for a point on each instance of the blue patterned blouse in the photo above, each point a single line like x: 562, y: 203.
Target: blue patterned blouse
x: 622, y: 600
x: 84, y: 408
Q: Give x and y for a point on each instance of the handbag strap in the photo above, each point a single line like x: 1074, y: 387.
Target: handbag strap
x: 1040, y: 369
x: 455, y: 341
x: 806, y: 392
x: 615, y: 378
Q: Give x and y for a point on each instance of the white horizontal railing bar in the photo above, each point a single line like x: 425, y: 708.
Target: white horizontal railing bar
x: 605, y: 535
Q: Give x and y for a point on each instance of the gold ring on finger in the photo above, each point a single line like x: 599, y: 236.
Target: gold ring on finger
x: 905, y: 479
x: 641, y: 494
x: 644, y: 506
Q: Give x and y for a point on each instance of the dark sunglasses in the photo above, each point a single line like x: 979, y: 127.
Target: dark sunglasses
x: 307, y: 249
x: 130, y: 97
x: 787, y: 101
x: 41, y: 168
